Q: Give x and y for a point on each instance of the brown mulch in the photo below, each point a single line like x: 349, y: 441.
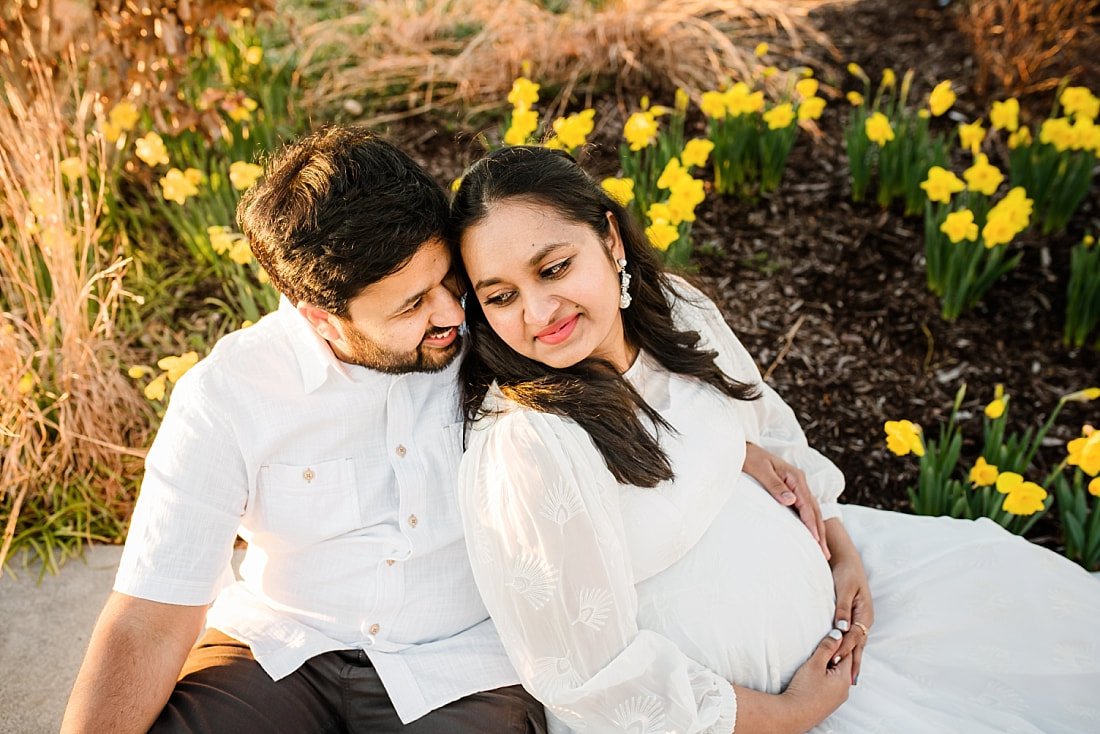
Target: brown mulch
x: 830, y: 296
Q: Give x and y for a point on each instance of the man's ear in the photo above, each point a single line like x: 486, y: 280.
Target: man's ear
x: 615, y: 239
x: 323, y: 322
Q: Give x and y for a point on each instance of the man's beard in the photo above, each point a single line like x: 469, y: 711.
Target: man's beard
x: 368, y: 353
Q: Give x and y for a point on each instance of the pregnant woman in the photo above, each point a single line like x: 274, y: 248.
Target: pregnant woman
x: 642, y: 582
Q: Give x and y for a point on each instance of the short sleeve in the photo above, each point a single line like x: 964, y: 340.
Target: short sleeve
x: 180, y: 543
x: 770, y: 422
x: 546, y: 541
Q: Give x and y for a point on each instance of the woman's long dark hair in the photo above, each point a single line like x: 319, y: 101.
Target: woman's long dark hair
x: 591, y: 392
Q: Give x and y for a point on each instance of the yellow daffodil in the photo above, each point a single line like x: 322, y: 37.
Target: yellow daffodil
x: 243, y: 174
x: 941, y: 99
x: 995, y: 409
x: 998, y: 230
x: 983, y: 474
x: 155, y: 389
x: 941, y: 184
x: 1086, y: 134
x: 456, y: 183
x: 854, y: 98
x: 193, y: 175
x: 686, y: 194
x: 1094, y: 487
x: 1089, y: 393
x: 659, y: 211
x: 246, y: 323
x: 220, y: 239
x: 959, y: 226
x: 524, y: 93
x: 25, y: 384
x: 878, y: 129
x: 524, y: 124
x: 254, y: 55
x: 136, y: 372
x: 110, y: 132
x: 175, y: 367
x: 1079, y: 101
x: 903, y: 437
x: 262, y: 276
x: 713, y: 105
x: 889, y: 78
x: 983, y: 177
x: 971, y: 136
x: 619, y: 189
x: 681, y: 100
x: 779, y: 117
x: 124, y: 116
x: 1019, y: 138
x: 176, y: 186
x: 760, y: 50
x: 150, y: 149
x: 240, y: 252
x: 640, y: 130
x: 806, y: 88
x: 1059, y: 132
x: 855, y: 70
x: 71, y: 168
x: 573, y: 131
x: 1084, y: 452
x: 1005, y: 115
x: 1015, y: 208
x: 696, y: 152
x: 239, y: 112
x: 740, y: 100
x: 1088, y: 241
x: 1027, y: 499
x: 811, y: 108
x: 769, y: 71
x: 661, y: 234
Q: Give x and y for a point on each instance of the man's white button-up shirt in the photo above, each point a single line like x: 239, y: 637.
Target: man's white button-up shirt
x: 342, y: 480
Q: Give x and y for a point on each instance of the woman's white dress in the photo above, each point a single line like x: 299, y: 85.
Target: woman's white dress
x: 628, y: 609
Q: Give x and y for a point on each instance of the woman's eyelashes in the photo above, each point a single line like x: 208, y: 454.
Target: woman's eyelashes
x: 551, y: 272
x: 557, y: 269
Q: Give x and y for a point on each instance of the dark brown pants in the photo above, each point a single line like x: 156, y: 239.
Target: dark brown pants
x: 223, y: 689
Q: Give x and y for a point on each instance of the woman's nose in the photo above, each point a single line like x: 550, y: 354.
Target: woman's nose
x: 538, y: 309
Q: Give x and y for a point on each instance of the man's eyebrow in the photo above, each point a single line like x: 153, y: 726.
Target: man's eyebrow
x: 533, y: 261
x: 412, y: 299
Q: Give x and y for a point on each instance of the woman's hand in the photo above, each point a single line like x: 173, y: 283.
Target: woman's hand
x: 855, y: 612
x: 817, y: 690
x: 788, y: 485
x: 819, y: 687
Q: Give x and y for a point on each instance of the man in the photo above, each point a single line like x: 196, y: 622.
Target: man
x: 327, y: 435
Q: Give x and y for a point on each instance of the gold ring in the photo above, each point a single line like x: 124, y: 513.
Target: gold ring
x: 861, y: 625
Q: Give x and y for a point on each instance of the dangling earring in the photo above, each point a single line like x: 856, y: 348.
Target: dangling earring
x: 624, y: 285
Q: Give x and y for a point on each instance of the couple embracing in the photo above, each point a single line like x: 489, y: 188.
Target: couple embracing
x: 583, y: 512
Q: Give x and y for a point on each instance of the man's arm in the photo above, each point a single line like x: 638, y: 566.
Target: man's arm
x: 137, y: 650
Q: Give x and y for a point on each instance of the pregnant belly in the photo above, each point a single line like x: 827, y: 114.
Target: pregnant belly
x: 751, y: 599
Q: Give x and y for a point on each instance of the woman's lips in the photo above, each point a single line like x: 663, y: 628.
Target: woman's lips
x: 559, y: 331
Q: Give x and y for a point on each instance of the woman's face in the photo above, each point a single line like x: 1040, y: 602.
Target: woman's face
x: 549, y: 286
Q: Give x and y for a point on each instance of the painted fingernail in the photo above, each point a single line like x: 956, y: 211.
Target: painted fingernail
x: 836, y: 634
x: 836, y: 660
x: 855, y: 681
x: 842, y: 625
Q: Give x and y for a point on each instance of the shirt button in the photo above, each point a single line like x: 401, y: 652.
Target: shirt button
x: 413, y: 521
x: 401, y: 451
x: 374, y: 629
x: 390, y: 561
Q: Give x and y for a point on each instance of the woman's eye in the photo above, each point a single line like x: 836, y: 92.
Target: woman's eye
x: 557, y: 269
x: 499, y: 299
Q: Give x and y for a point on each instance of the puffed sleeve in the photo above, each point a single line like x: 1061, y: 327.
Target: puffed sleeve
x: 545, y: 537
x: 770, y: 422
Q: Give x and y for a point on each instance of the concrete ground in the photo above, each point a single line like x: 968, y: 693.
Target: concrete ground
x: 44, y: 629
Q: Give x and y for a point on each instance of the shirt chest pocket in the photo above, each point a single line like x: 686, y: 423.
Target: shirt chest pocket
x: 300, y: 504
